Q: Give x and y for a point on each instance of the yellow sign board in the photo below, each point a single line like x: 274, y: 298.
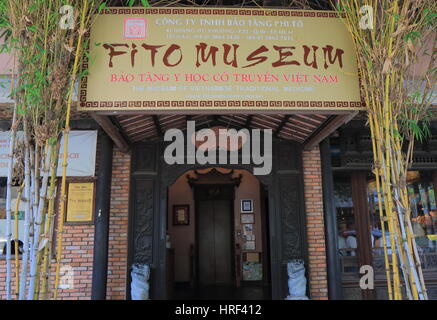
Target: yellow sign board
x: 80, y: 204
x: 193, y: 59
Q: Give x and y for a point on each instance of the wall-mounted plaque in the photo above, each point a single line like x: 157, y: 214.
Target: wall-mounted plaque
x: 80, y: 202
x: 252, y: 257
x: 247, y: 206
x: 252, y: 271
x: 248, y: 245
x: 181, y: 215
x: 248, y: 218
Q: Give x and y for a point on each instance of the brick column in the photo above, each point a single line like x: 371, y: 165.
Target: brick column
x: 118, y: 228
x: 312, y: 174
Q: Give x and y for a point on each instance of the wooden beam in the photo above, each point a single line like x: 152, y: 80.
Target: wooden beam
x: 326, y: 130
x: 157, y: 125
x: 248, y: 121
x: 112, y: 131
x: 120, y: 128
x: 282, y: 125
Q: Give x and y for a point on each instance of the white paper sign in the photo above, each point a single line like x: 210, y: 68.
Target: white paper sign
x: 81, y: 153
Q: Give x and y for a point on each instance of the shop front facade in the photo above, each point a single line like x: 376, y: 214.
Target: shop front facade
x: 294, y: 201
x: 357, y: 212
x: 217, y: 229
x: 288, y: 213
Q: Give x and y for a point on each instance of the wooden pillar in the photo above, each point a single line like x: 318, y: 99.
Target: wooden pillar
x: 101, y: 220
x: 332, y: 257
x: 434, y: 180
x: 362, y: 224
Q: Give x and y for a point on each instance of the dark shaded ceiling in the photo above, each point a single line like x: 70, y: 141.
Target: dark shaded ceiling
x: 296, y: 127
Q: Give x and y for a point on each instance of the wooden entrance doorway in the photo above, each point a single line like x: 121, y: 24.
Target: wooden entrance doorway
x: 215, y: 241
x: 210, y: 258
x: 150, y: 179
x: 214, y: 194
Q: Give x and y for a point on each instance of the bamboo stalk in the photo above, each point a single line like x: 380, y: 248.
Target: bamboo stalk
x: 32, y: 198
x: 64, y: 160
x: 38, y: 222
x: 380, y: 197
x: 49, y: 225
x: 25, y: 256
x: 17, y: 260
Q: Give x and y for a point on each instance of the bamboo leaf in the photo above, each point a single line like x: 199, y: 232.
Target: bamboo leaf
x: 387, y: 65
x: 102, y: 6
x: 145, y: 3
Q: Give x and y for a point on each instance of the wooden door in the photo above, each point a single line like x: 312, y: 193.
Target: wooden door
x: 215, y: 242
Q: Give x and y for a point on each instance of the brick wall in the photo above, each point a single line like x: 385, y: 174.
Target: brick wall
x: 78, y: 244
x: 118, y: 226
x: 77, y: 261
x: 78, y: 248
x: 312, y: 174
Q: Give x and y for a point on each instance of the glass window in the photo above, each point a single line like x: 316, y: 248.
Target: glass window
x: 423, y: 210
x: 347, y: 235
x: 422, y: 197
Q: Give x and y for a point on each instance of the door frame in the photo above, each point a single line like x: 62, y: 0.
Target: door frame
x: 151, y: 176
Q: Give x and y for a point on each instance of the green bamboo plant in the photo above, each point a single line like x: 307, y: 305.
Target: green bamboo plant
x: 48, y: 55
x: 397, y: 100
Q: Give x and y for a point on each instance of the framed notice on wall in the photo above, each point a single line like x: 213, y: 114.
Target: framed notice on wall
x: 181, y: 215
x: 80, y: 202
x: 247, y: 206
x: 247, y: 218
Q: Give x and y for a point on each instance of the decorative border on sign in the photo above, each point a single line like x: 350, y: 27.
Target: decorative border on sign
x: 215, y: 104
x: 208, y: 104
x: 225, y: 11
